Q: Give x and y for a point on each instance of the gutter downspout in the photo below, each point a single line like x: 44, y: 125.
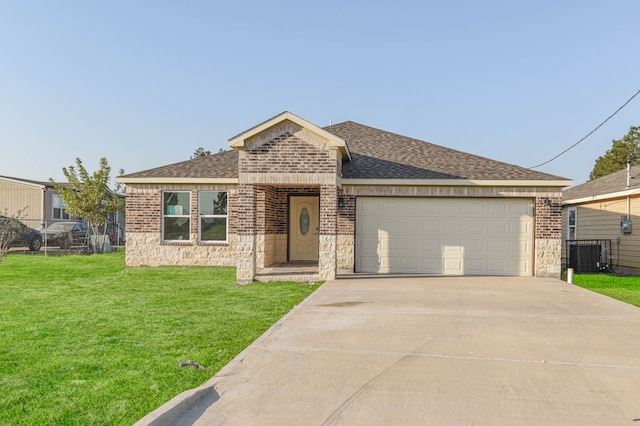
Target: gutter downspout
x: 628, y: 187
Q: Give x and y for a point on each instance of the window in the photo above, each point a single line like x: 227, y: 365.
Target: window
x: 212, y: 209
x: 176, y: 208
x: 59, y: 208
x: 572, y: 221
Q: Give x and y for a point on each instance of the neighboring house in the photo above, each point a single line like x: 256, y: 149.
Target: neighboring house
x: 39, y: 201
x: 597, y: 222
x: 345, y: 198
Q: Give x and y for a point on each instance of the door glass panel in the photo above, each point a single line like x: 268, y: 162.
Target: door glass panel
x: 304, y: 221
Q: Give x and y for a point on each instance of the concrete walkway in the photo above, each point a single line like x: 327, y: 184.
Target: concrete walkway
x: 413, y: 351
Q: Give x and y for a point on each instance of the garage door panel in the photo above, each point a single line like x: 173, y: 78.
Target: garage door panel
x: 410, y: 244
x: 452, y: 246
x: 455, y: 209
x: 444, y: 236
x: 453, y: 267
x: 433, y: 264
x: 369, y: 242
x: 475, y: 246
x: 411, y: 264
x: 455, y: 226
x: 475, y: 226
x: 475, y: 209
x: 498, y: 228
x: 520, y: 246
x: 389, y: 264
x: 431, y: 245
x: 409, y: 227
x: 497, y: 247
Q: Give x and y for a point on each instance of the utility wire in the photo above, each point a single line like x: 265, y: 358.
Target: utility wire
x: 588, y: 134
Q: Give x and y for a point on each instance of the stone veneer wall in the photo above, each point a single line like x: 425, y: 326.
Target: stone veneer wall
x: 548, y: 235
x: 246, y: 263
x: 144, y: 229
x: 265, y: 226
x: 263, y: 237
x: 345, y: 242
x: 547, y: 217
x: 282, y: 161
x: 328, y: 230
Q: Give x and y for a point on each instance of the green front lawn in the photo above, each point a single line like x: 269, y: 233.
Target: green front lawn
x: 84, y: 340
x: 626, y: 289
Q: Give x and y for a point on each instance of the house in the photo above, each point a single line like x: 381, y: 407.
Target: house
x: 344, y: 198
x: 38, y: 200
x: 40, y: 203
x: 597, y: 221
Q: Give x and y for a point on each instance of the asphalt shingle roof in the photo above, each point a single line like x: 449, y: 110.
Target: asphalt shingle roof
x: 376, y: 154
x: 615, y: 182
x: 220, y: 165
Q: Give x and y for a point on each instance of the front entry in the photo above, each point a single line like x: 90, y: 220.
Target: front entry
x: 304, y: 227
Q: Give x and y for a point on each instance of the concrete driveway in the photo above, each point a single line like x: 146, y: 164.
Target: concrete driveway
x: 402, y: 351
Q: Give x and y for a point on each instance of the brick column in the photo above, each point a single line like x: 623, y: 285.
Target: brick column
x: 327, y: 256
x: 548, y: 250
x: 246, y: 234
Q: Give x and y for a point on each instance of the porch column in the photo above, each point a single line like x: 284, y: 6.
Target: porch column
x: 246, y: 262
x: 327, y: 256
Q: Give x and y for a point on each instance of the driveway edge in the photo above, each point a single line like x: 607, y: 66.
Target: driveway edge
x: 175, y: 408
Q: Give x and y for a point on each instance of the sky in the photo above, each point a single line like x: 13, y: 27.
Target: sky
x: 145, y: 83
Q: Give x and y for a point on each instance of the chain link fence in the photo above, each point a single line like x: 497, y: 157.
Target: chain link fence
x: 61, y: 237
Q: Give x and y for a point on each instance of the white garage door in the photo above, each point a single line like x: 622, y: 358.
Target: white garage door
x: 461, y: 236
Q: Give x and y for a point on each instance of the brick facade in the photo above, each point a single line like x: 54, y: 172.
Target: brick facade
x: 144, y: 229
x: 288, y: 154
x: 283, y: 162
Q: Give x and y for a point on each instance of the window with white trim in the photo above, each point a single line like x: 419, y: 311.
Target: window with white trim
x: 59, y: 207
x: 212, y: 213
x: 176, y: 219
x: 572, y: 222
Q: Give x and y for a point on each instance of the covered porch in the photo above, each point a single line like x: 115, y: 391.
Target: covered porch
x: 294, y: 233
x: 289, y: 173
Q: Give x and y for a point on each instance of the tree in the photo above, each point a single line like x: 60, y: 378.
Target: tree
x: 88, y: 196
x: 622, y: 150
x: 200, y: 152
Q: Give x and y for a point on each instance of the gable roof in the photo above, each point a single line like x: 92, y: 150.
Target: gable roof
x: 378, y: 154
x: 375, y: 154
x: 610, y: 186
x: 332, y: 140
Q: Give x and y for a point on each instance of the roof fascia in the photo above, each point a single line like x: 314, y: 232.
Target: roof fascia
x: 24, y: 182
x: 625, y: 193
x: 173, y: 180
x: 457, y: 182
x: 335, y: 142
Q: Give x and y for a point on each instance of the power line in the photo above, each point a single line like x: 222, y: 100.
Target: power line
x: 588, y: 134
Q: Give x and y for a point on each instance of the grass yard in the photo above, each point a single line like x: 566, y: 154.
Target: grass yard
x: 626, y: 289
x: 86, y: 341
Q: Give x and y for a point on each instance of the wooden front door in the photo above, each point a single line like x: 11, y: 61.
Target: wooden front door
x: 304, y: 226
